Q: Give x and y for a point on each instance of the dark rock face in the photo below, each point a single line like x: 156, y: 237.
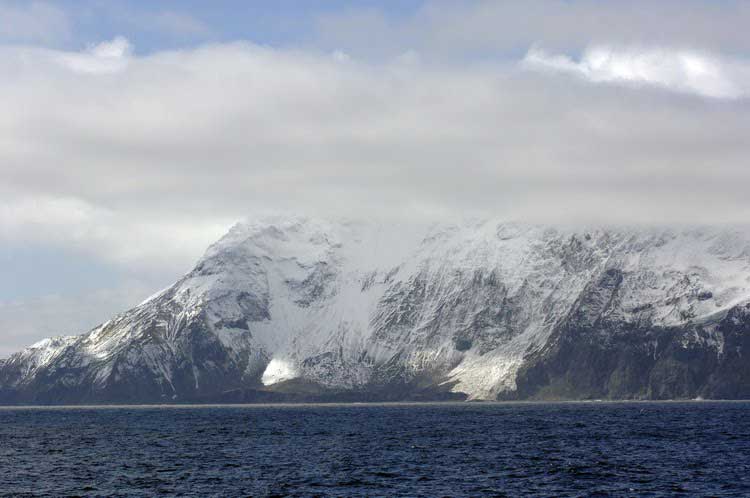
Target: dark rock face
x: 592, y: 356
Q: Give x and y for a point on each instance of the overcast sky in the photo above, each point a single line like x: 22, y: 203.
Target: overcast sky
x: 133, y: 134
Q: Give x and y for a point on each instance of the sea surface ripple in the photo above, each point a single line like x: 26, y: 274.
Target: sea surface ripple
x: 464, y: 449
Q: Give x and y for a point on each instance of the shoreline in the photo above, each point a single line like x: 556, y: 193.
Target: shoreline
x: 177, y: 406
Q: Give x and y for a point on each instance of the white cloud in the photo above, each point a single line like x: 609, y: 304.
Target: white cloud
x: 680, y: 70
x: 103, y: 58
x: 116, y: 48
x: 340, y: 56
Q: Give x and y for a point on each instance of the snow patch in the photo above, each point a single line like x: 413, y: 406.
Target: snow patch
x: 278, y: 371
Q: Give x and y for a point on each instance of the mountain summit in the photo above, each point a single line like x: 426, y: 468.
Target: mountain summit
x: 300, y: 309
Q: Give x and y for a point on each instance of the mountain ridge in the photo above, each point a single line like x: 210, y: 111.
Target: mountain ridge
x: 295, y: 308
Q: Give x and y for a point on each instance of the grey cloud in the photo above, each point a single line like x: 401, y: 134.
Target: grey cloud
x: 24, y: 322
x: 491, y: 28
x: 204, y: 136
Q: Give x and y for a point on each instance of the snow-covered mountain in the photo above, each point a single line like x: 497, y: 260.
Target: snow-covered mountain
x: 287, y: 308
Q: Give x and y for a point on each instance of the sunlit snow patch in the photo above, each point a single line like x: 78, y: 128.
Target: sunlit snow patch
x: 278, y: 371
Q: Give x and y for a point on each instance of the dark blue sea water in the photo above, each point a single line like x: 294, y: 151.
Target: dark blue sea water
x: 574, y: 449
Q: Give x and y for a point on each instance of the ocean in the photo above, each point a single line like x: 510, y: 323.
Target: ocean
x: 438, y: 449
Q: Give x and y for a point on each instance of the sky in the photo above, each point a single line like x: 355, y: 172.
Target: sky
x: 134, y: 133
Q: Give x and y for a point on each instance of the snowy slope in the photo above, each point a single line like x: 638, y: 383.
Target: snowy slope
x: 360, y: 306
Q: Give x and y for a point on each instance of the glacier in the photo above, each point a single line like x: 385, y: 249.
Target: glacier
x: 297, y: 308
